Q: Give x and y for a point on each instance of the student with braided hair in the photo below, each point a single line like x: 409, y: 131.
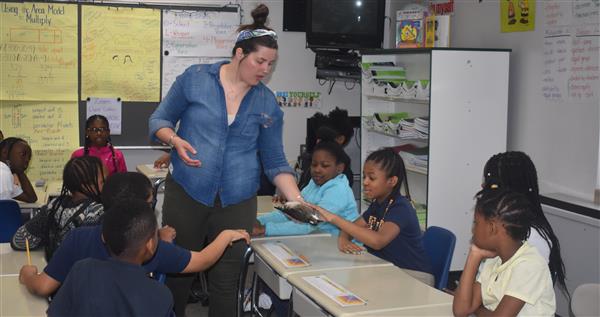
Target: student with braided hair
x: 514, y: 279
x: 98, y: 144
x: 515, y: 171
x: 78, y: 204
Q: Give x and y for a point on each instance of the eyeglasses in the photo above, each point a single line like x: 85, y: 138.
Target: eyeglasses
x: 98, y: 130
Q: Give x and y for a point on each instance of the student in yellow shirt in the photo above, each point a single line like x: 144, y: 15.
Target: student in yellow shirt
x: 515, y: 279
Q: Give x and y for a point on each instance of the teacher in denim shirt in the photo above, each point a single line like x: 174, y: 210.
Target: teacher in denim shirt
x: 227, y: 117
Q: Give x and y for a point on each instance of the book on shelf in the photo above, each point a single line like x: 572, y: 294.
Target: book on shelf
x: 437, y: 31
x: 410, y: 31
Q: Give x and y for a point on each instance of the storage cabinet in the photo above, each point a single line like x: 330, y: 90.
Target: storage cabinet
x: 445, y: 110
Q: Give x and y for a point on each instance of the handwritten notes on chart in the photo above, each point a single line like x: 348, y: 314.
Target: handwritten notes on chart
x: 202, y: 33
x: 38, y: 51
x: 50, y: 128
x: 174, y: 66
x: 191, y: 37
x: 120, y: 53
x: 571, y: 51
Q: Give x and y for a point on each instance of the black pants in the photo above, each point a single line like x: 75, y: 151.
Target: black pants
x: 196, y: 223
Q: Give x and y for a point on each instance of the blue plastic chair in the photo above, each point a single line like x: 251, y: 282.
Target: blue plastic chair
x: 10, y: 219
x: 439, y: 245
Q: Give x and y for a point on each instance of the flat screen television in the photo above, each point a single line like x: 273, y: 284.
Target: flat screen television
x: 350, y: 24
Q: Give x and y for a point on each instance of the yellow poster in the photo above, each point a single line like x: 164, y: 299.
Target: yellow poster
x: 50, y: 128
x: 38, y: 51
x: 517, y: 15
x: 120, y: 53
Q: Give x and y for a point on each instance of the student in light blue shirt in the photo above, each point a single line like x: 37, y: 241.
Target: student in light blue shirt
x: 327, y: 188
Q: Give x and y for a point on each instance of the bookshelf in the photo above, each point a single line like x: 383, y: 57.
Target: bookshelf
x: 466, y: 111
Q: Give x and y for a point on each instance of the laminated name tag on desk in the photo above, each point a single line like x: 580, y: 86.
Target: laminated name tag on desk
x: 285, y: 255
x: 333, y: 290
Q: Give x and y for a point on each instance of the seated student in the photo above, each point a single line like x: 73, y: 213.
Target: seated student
x: 77, y: 205
x: 515, y: 279
x: 15, y: 155
x: 327, y: 188
x: 515, y: 171
x: 98, y: 144
x: 130, y: 232
x: 337, y: 127
x: 87, y: 242
x: 389, y: 228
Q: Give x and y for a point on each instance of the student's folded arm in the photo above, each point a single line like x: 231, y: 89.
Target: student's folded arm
x: 467, y: 297
x: 508, y: 306
x: 373, y: 239
x: 34, y: 230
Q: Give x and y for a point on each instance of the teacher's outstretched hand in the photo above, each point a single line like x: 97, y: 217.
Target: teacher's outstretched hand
x: 183, y: 147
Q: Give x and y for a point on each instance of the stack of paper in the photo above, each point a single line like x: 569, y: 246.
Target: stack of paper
x: 417, y: 157
x: 417, y: 128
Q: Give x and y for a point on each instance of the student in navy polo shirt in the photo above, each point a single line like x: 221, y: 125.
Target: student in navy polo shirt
x: 131, y: 235
x: 87, y: 242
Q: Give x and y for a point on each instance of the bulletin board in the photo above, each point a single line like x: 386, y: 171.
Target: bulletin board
x: 55, y: 55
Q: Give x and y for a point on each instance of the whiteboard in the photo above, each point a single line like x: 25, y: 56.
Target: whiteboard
x: 560, y: 135
x: 199, y: 33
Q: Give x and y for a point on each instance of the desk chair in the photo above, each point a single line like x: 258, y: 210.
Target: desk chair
x: 156, y: 186
x: 439, y: 245
x: 241, y: 296
x: 585, y: 300
x: 10, y: 219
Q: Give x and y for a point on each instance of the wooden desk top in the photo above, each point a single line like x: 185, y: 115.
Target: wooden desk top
x: 321, y: 252
x: 15, y: 300
x: 11, y: 261
x: 434, y: 310
x: 42, y: 199
x: 151, y: 172
x: 386, y: 289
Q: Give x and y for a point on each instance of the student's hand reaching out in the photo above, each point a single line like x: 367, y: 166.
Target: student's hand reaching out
x: 235, y: 235
x: 349, y: 247
x: 167, y: 233
x: 163, y: 161
x: 324, y: 214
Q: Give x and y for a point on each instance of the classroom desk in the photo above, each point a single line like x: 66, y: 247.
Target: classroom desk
x: 11, y: 261
x: 388, y: 291
x: 320, y: 251
x: 152, y: 173
x: 15, y: 300
x: 42, y: 199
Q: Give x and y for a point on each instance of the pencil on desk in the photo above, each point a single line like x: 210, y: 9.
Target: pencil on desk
x: 27, y: 249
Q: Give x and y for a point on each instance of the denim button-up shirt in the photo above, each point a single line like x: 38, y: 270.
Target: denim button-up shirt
x: 229, y: 153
